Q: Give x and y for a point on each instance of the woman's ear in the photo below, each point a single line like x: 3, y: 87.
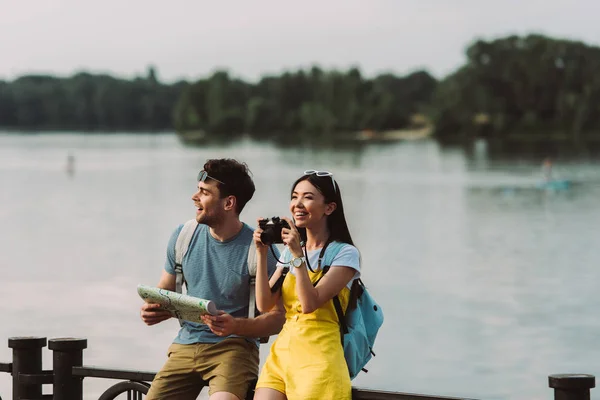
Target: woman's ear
x: 330, y: 208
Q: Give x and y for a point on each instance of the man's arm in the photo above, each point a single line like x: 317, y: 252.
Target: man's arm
x: 149, y: 312
x: 167, y: 281
x: 266, y: 324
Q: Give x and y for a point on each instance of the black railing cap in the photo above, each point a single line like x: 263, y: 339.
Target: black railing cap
x: 66, y: 344
x: 27, y: 342
x: 572, y: 381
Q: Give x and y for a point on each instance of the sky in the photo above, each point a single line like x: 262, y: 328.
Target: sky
x: 189, y: 39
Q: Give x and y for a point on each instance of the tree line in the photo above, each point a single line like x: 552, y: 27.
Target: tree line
x: 310, y: 103
x: 86, y: 102
x: 517, y: 87
x: 524, y: 89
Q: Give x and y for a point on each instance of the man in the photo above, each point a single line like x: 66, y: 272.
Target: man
x: 224, y: 350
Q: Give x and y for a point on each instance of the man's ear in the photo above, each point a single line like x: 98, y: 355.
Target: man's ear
x: 330, y: 208
x: 230, y: 202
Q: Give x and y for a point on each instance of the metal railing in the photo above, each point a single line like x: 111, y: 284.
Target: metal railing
x: 68, y: 372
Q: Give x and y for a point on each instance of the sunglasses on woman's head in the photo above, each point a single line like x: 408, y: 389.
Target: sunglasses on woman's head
x: 203, y: 175
x: 321, y: 174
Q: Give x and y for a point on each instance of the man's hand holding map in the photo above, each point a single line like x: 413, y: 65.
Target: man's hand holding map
x: 180, y: 305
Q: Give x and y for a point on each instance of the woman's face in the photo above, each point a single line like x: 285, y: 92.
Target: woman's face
x: 308, y: 206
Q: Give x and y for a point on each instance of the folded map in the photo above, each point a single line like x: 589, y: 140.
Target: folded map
x: 181, y: 306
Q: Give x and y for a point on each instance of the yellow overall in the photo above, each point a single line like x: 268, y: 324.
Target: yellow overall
x: 306, y: 361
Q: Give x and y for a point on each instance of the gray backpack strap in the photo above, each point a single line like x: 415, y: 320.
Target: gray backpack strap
x: 252, y: 273
x: 252, y: 297
x: 181, y: 247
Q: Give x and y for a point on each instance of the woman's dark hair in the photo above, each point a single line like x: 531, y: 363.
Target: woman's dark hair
x: 236, y: 180
x: 336, y: 221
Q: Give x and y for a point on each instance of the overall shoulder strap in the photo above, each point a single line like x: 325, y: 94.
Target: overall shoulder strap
x: 181, y: 247
x: 285, y: 257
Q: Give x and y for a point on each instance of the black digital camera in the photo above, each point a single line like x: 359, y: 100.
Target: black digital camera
x: 272, y: 230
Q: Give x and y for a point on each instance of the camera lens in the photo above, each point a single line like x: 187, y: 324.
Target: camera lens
x: 266, y: 237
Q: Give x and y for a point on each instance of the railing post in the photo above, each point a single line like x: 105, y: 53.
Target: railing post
x: 27, y: 359
x: 571, y: 386
x: 67, y: 353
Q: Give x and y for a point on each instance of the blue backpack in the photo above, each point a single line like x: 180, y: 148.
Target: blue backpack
x: 364, y: 317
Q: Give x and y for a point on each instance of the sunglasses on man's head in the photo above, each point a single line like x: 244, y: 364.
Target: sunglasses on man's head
x: 203, y: 175
x: 321, y: 174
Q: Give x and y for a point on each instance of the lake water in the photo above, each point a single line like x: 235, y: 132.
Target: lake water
x: 488, y: 284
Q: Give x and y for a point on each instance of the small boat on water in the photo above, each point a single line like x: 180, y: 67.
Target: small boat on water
x: 555, y: 184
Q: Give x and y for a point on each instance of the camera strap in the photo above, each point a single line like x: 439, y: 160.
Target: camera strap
x: 286, y: 269
x: 321, y: 254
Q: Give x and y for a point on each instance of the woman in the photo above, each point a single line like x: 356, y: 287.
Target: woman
x: 307, y: 359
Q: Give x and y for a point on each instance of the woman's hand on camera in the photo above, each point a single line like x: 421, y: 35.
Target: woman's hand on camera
x: 256, y: 237
x: 291, y: 238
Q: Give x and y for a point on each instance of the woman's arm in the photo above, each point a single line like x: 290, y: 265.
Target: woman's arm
x: 312, y: 297
x: 266, y: 324
x: 265, y: 300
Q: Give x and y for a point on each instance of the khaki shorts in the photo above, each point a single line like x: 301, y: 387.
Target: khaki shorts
x: 228, y: 366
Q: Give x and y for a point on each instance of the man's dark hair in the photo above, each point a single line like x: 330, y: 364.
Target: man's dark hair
x: 235, y: 177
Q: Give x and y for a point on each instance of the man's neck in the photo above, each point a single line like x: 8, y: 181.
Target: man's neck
x: 226, y: 230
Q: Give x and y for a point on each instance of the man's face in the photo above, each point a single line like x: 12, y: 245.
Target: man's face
x: 209, y: 206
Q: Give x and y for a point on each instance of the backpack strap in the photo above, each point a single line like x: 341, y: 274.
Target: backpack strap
x: 338, y: 308
x: 252, y: 266
x: 340, y: 313
x: 252, y: 272
x: 181, y: 247
x: 333, y: 250
x: 326, y: 258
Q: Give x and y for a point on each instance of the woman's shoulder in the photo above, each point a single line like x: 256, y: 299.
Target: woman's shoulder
x: 347, y: 256
x: 345, y: 248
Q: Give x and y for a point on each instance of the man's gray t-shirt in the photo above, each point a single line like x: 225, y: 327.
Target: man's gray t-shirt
x: 216, y: 271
